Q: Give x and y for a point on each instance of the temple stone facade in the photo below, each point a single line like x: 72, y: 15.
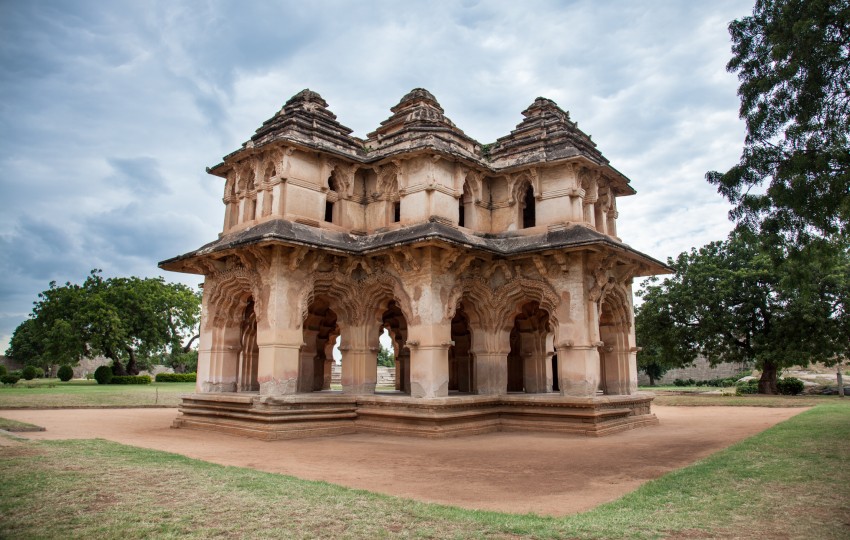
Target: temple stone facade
x: 497, y: 269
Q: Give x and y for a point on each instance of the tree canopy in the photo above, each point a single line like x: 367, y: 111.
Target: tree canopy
x: 735, y: 301
x: 123, y: 319
x: 793, y: 60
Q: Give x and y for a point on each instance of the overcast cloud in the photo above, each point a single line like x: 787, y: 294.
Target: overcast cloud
x: 112, y: 110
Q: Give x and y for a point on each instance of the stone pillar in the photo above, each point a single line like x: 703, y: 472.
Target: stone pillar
x: 490, y: 353
x: 359, y: 358
x: 242, y: 203
x: 223, y: 362
x: 278, y: 365
x: 429, y: 359
x: 307, y: 358
x: 327, y: 372
x: 259, y: 204
x: 533, y: 362
x: 277, y: 199
x: 279, y: 333
x: 578, y: 370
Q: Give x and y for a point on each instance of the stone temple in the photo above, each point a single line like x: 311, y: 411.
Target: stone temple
x: 497, y: 269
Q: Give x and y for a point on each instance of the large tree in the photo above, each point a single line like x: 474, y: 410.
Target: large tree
x: 123, y: 319
x: 793, y: 60
x: 737, y: 301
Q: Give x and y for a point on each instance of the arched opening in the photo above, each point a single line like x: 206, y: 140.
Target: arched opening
x: 249, y: 352
x: 529, y: 217
x: 464, y: 209
x: 331, y: 198
x: 320, y: 331
x: 395, y: 323
x: 461, y: 366
x: 527, y: 360
x: 614, y: 351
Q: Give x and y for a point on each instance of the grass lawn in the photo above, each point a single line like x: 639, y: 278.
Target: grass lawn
x: 791, y: 481
x: 82, y: 393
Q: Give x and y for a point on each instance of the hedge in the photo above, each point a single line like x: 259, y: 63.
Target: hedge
x: 65, y: 373
x: 176, y: 377
x: 131, y: 379
x: 103, y: 375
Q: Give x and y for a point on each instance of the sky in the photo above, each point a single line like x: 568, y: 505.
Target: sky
x: 111, y: 111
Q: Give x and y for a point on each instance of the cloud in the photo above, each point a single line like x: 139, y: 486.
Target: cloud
x: 110, y: 112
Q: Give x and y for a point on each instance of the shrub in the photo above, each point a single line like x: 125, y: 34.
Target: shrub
x: 131, y: 379
x: 29, y: 372
x: 789, y: 386
x: 10, y: 379
x: 103, y: 375
x: 65, y: 373
x: 747, y: 387
x: 176, y: 377
x: 3, y: 371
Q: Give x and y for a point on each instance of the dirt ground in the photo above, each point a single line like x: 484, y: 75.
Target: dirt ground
x: 511, y: 472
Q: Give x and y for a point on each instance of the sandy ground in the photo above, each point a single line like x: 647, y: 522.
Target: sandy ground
x: 510, y: 472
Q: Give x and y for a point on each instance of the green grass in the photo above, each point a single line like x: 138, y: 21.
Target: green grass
x: 13, y: 425
x: 80, y: 393
x: 790, y: 481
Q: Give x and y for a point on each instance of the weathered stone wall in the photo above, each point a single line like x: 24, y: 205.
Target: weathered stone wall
x: 700, y: 371
x: 386, y: 375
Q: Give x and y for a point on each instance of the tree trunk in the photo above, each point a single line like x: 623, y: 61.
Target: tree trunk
x: 132, y: 368
x: 651, y: 379
x: 767, y: 382
x: 117, y: 368
x: 840, y: 379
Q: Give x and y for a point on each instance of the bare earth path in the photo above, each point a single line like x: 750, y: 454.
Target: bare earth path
x: 510, y: 472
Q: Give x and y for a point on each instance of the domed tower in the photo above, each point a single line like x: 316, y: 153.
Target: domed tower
x: 497, y: 271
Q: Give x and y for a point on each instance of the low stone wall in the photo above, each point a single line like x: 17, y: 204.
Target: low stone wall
x: 700, y: 371
x: 386, y: 375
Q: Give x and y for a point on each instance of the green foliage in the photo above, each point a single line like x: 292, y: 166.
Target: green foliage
x: 746, y: 302
x: 182, y: 361
x: 176, y: 377
x: 65, y: 373
x: 3, y: 370
x: 131, y: 379
x: 789, y: 386
x: 791, y: 57
x: 29, y: 372
x: 386, y: 357
x: 123, y: 319
x: 103, y: 375
x: 747, y: 387
x: 10, y: 379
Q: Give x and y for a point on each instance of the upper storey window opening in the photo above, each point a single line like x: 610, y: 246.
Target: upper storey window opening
x: 329, y: 204
x: 396, y: 212
x: 461, y: 217
x: 528, y: 210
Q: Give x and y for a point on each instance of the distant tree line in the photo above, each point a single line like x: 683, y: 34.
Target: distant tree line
x: 131, y: 321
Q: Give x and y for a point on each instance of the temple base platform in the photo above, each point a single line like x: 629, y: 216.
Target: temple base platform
x: 333, y: 413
